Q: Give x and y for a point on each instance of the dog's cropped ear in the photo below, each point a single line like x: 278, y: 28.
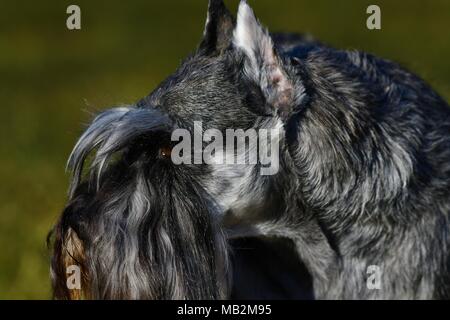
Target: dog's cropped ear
x: 262, y: 64
x: 218, y: 29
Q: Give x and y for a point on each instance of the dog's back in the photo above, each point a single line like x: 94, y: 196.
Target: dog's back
x: 389, y: 208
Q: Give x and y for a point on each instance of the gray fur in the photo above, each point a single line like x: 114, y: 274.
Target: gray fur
x: 364, y: 174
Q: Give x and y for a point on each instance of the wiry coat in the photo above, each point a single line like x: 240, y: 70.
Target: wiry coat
x: 364, y: 174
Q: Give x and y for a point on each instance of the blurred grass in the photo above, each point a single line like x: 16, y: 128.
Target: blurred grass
x: 51, y: 76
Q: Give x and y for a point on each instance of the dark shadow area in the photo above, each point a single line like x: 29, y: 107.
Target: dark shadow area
x: 268, y: 269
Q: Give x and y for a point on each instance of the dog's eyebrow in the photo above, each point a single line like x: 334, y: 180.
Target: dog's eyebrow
x: 110, y: 132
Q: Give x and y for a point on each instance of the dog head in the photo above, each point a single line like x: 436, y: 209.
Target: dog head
x: 141, y: 226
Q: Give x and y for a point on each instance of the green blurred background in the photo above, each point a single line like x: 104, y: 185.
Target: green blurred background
x: 51, y: 79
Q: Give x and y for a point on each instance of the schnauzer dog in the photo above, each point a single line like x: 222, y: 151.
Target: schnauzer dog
x: 363, y: 181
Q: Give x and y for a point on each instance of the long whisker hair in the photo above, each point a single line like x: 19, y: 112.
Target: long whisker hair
x: 128, y: 243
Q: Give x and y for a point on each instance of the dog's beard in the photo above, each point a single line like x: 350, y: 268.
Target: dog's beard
x: 144, y: 230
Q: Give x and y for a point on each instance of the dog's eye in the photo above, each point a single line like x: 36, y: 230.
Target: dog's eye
x: 165, y: 152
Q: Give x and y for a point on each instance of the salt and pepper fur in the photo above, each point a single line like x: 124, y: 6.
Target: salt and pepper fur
x: 364, y: 175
